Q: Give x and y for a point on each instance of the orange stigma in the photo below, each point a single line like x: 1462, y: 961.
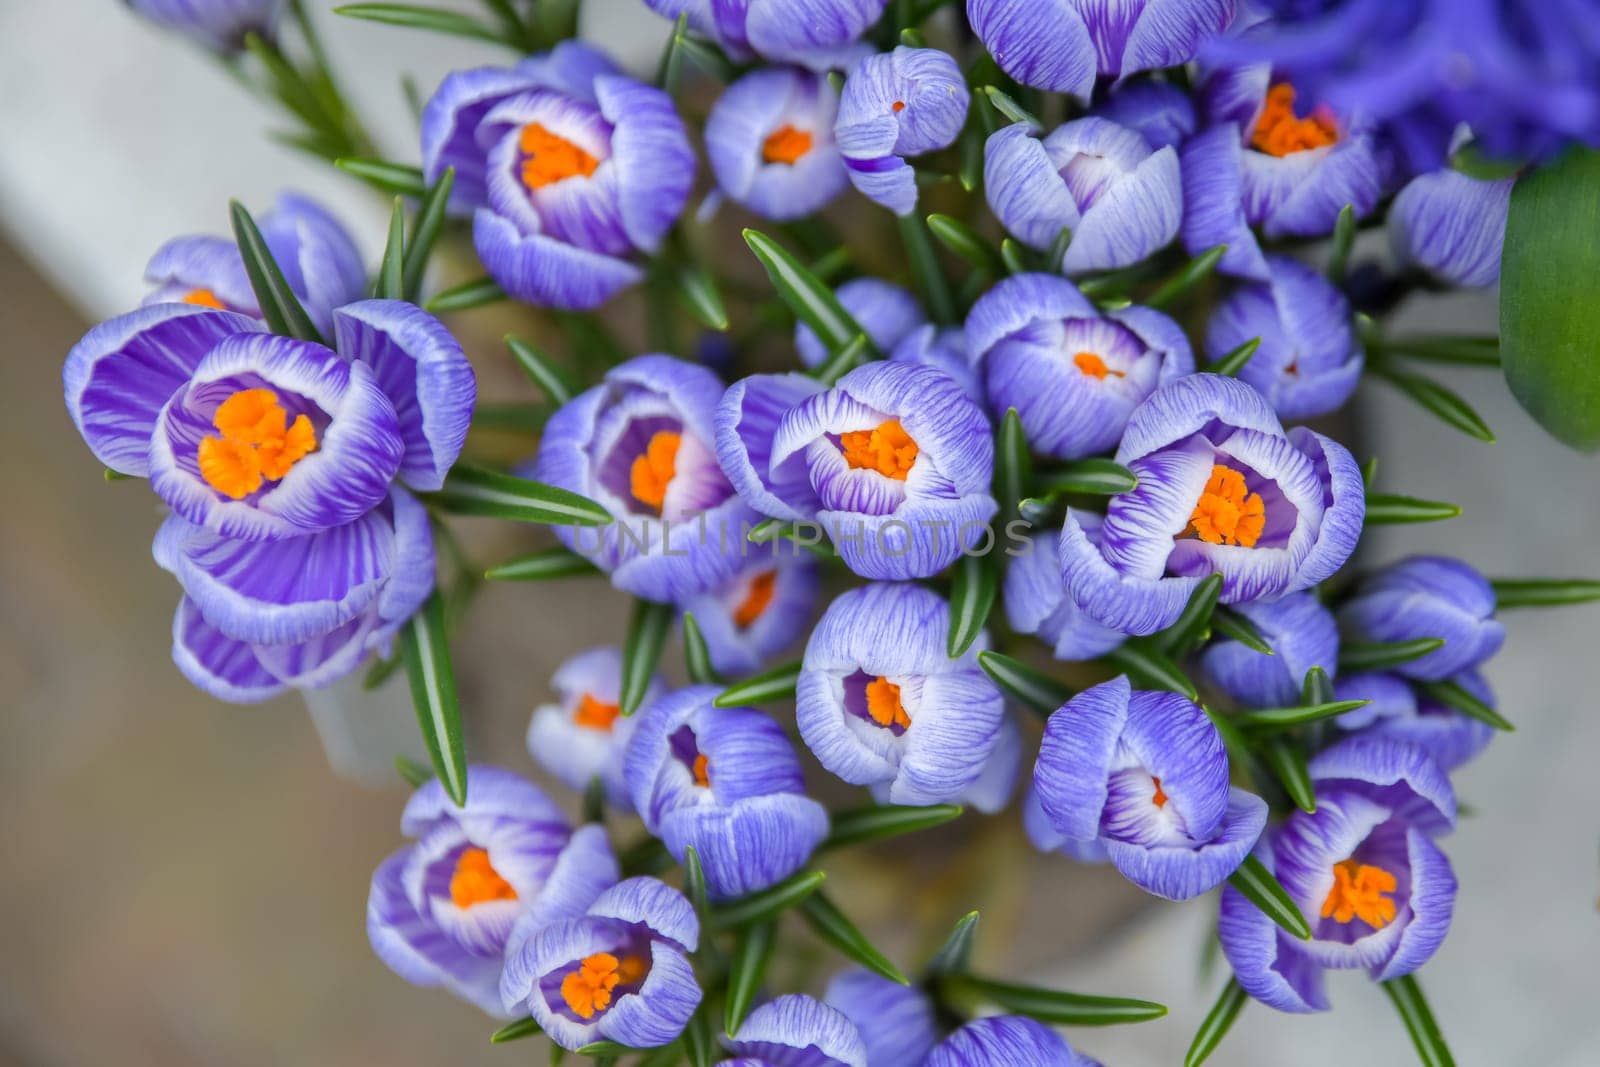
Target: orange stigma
x: 1160, y: 799
x: 1227, y: 513
x: 547, y: 158
x: 588, y: 989
x: 1359, y: 892
x: 595, y: 714
x: 258, y: 443
x: 886, y: 448
x: 1093, y: 366
x: 1280, y: 132
x: 883, y: 704
x: 898, y: 106
x: 476, y: 881
x: 652, y: 472
x: 786, y: 145
x: 204, y: 298
x: 702, y: 770
x: 756, y: 599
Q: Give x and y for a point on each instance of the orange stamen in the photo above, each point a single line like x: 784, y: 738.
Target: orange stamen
x: 547, y: 158
x: 1093, y: 366
x: 1359, y: 892
x: 1280, y: 132
x: 756, y: 599
x: 258, y: 443
x: 475, y: 880
x: 1227, y: 513
x: 702, y: 770
x: 588, y: 989
x: 205, y: 298
x: 595, y: 714
x: 898, y: 106
x: 1160, y: 799
x: 883, y: 704
x: 786, y: 145
x: 886, y: 448
x: 652, y: 472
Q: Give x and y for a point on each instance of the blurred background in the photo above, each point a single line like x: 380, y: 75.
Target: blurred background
x: 184, y: 882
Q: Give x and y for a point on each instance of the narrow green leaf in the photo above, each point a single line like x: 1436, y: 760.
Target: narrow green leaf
x: 1029, y: 687
x: 778, y: 529
x: 1387, y: 509
x: 694, y: 882
x: 1013, y: 466
x: 1097, y: 477
x: 1151, y: 667
x: 925, y: 268
x: 751, y: 952
x: 1406, y: 995
x: 1369, y: 473
x: 670, y: 69
x: 1453, y: 695
x: 641, y: 651
x: 1257, y: 885
x: 953, y: 956
x: 1317, y: 688
x: 1182, y: 635
x: 414, y: 773
x: 1287, y: 761
x: 430, y: 220
x: 385, y: 176
x: 763, y: 688
x: 972, y: 595
x: 426, y: 652
x: 1050, y: 1005
x: 1014, y: 256
x: 601, y: 1050
x: 834, y: 927
x: 1544, y: 592
x: 390, y: 284
x: 473, y: 490
x: 118, y: 476
x: 280, y: 308
x: 1214, y: 1027
x: 1193, y: 273
x: 418, y: 17
x: 541, y: 370
x: 845, y: 360
x: 1232, y: 363
x: 878, y: 821
x: 1358, y: 656
x: 1013, y: 111
x: 1437, y: 400
x: 1284, y: 718
x: 812, y: 302
x: 515, y: 1031
x: 594, y: 801
x: 696, y: 656
x: 1461, y: 350
x: 758, y: 907
x: 668, y: 1055
x: 698, y: 291
x: 1236, y: 627
x: 1344, y: 236
x: 541, y: 566
x: 698, y: 1041
x: 965, y: 242
x: 1058, y: 250
x: 1233, y: 739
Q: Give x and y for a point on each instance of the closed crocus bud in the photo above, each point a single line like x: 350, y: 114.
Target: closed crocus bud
x: 618, y: 970
x: 944, y: 349
x: 759, y: 611
x: 570, y: 169
x: 769, y: 138
x: 1073, y: 372
x: 1064, y: 45
x: 220, y: 25
x: 796, y: 1029
x: 1006, y: 1041
x: 1161, y: 112
x: 881, y: 703
x: 582, y: 736
x: 1037, y: 604
x: 1422, y: 597
x: 1309, y: 360
x: 818, y: 35
x: 1121, y: 199
x: 1451, y: 225
x: 898, y: 1024
x: 896, y: 104
x: 1044, y: 836
x: 1222, y: 490
x: 443, y: 910
x: 1302, y: 635
x: 727, y: 783
x: 1400, y: 712
x: 1363, y: 868
x: 887, y: 312
x: 639, y: 444
x: 1145, y: 775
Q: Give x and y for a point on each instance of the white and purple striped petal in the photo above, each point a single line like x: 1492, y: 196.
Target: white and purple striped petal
x: 895, y: 104
x: 581, y: 736
x: 1301, y: 633
x: 887, y: 312
x: 1452, y: 225
x: 795, y: 1030
x: 897, y: 1023
x: 1036, y: 603
x: 1005, y: 1041
x: 216, y: 663
x: 1422, y: 597
x: 760, y: 611
x: 793, y: 112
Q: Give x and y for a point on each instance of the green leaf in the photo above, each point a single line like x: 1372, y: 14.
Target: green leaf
x: 956, y: 952
x: 925, y: 268
x: 280, y: 308
x: 515, y: 1031
x: 1369, y: 473
x: 604, y: 1049
x: 418, y: 17
x: 385, y: 176
x: 972, y: 595
x: 1284, y: 718
x: 541, y: 566
x: 1151, y: 667
x: 812, y: 302
x: 1191, y: 626
x: 1186, y: 279
x: 698, y: 1040
x: 845, y: 360
x: 775, y: 684
x: 414, y: 773
x: 779, y: 529
x: 426, y: 652
x: 430, y: 220
x: 1029, y: 687
x: 389, y: 284
x: 878, y: 821
x: 473, y: 490
x: 541, y: 370
x: 965, y: 242
x: 1257, y: 885
x: 751, y: 952
x: 1344, y: 236
x: 1544, y: 592
x: 1406, y: 995
x: 1214, y: 1027
x: 641, y: 651
x: 1013, y: 466
x: 1014, y: 256
x: 1317, y: 688
x: 1013, y: 111
x: 1235, y: 627
x: 758, y: 907
x: 118, y: 476
x: 1387, y: 509
x: 670, y: 69
x: 1233, y: 739
x: 699, y: 294
x: 834, y: 927
x: 1462, y: 350
x: 474, y: 293
x: 1549, y: 325
x: 1050, y: 1005
x: 1437, y: 400
x: 1453, y: 695
x: 1058, y: 250
x: 1232, y: 363
x: 1357, y: 656
x: 694, y: 882
x: 1097, y: 477
x: 1287, y: 761
x: 696, y: 656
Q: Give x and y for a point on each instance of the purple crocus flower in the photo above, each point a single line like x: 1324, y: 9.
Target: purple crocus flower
x: 895, y: 104
x: 1222, y: 490
x: 1363, y: 868
x: 1064, y: 45
x: 583, y: 734
x: 887, y: 312
x: 1145, y: 775
x: 1121, y: 198
x: 1044, y: 836
x: 894, y: 462
x: 727, y: 782
x: 1451, y: 225
x: 1037, y: 604
x: 759, y: 611
x: 220, y: 25
x: 443, y: 909
x: 1073, y: 372
x: 568, y: 167
x: 898, y: 1024
x: 1161, y: 112
x: 319, y: 261
x: 639, y: 444
x: 1004, y: 1041
x: 944, y: 349
x: 881, y: 703
x: 769, y: 138
x: 795, y: 1030
x: 818, y: 35
x: 619, y: 971
x: 1302, y: 635
x: 1400, y: 712
x: 1427, y: 596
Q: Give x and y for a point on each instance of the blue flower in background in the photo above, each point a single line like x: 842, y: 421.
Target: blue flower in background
x: 1301, y: 633
x: 759, y: 611
x: 818, y: 34
x: 1403, y: 713
x: 1005, y: 1041
x: 582, y: 735
x: 770, y: 141
x: 796, y: 1031
x: 887, y: 312
x: 1161, y: 112
x: 1422, y: 597
x: 1036, y: 603
x: 220, y: 25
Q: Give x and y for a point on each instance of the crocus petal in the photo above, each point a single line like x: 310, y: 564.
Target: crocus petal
x: 1023, y: 189
x: 1045, y: 45
x: 450, y: 125
x: 746, y: 425
x: 1000, y: 1040
x: 1176, y: 872
x: 1080, y: 742
x: 1137, y: 215
x: 1400, y: 775
x: 1452, y: 225
x: 793, y: 1023
x: 1428, y: 596
x: 896, y: 1022
x: 216, y: 663
x: 1431, y: 902
x: 1301, y: 633
x: 1266, y: 961
x: 1213, y: 204
x: 749, y: 845
x: 885, y: 311
x: 418, y: 951
x: 547, y: 272
x: 658, y: 1012
x: 651, y: 903
x: 650, y: 150
x: 185, y: 264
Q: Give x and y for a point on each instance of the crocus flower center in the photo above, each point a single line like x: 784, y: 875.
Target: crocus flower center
x: 1227, y: 513
x: 1359, y: 892
x: 547, y: 158
x: 588, y: 989
x: 258, y: 443
x: 702, y: 771
x: 756, y: 599
x: 898, y: 106
x: 652, y: 472
x: 886, y: 448
x: 475, y: 880
x: 1092, y: 366
x: 785, y: 145
x: 1279, y: 131
x: 884, y: 707
x: 595, y: 714
x: 204, y: 298
x: 1160, y: 798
